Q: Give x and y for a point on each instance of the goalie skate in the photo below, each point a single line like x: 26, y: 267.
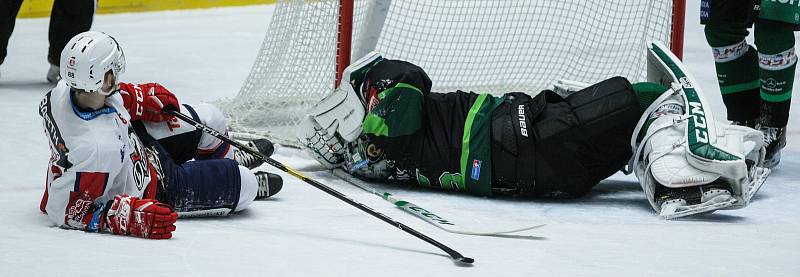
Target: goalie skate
x: 680, y: 202
x: 757, y: 179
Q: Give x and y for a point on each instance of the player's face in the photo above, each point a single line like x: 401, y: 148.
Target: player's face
x: 109, y: 84
x: 93, y: 100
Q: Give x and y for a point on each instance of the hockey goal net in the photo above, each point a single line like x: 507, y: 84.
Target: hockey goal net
x: 493, y: 46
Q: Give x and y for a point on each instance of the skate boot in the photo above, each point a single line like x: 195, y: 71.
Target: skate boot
x: 263, y: 146
x: 774, y: 140
x: 53, y: 74
x: 680, y: 202
x: 268, y: 184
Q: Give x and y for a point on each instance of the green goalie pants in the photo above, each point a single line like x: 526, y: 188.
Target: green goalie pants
x: 756, y: 82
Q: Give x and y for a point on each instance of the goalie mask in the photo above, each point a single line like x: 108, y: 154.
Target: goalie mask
x: 678, y: 144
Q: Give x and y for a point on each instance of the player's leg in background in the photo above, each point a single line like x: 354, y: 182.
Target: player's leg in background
x: 184, y: 142
x: 178, y: 138
x: 212, y: 187
x: 67, y: 19
x: 735, y: 60
x: 210, y: 147
x: 202, y: 188
x: 777, y: 62
x: 8, y: 15
x: 207, y: 188
x: 776, y: 70
x: 195, y: 188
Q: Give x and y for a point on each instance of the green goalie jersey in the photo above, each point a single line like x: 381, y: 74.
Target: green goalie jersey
x: 412, y: 135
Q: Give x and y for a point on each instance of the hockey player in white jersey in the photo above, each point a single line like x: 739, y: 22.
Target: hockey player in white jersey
x: 120, y: 165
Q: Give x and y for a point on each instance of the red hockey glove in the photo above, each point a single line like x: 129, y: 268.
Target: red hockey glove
x: 146, y: 101
x: 140, y: 217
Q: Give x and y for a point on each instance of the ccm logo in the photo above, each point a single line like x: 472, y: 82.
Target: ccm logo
x: 523, y: 127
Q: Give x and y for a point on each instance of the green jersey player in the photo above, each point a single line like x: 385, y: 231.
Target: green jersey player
x: 756, y: 83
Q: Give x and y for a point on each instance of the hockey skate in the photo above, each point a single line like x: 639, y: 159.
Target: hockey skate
x: 685, y: 201
x: 268, y: 184
x: 263, y: 146
x: 775, y: 140
x: 758, y: 176
x: 53, y: 74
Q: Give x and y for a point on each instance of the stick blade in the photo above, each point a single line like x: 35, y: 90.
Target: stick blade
x: 464, y: 260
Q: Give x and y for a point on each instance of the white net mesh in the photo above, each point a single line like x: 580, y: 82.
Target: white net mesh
x: 489, y: 46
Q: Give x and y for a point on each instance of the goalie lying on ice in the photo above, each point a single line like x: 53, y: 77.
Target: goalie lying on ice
x: 384, y: 123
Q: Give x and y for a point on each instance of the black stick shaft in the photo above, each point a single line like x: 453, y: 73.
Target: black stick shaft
x: 453, y: 254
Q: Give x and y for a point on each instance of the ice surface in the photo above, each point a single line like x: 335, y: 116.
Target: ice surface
x: 204, y: 55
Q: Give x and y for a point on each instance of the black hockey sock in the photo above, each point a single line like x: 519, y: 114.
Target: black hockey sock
x: 775, y: 114
x: 743, y: 106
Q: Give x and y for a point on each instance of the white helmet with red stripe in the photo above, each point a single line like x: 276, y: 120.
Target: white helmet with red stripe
x: 87, y: 57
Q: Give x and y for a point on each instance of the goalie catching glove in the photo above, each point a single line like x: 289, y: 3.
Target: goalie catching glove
x: 686, y: 162
x: 130, y: 216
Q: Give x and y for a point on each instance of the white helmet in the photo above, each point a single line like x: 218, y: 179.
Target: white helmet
x: 87, y: 57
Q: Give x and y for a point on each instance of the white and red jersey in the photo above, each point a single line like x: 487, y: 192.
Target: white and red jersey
x: 95, y: 156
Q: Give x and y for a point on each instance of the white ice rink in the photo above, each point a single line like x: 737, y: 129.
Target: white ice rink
x: 204, y: 55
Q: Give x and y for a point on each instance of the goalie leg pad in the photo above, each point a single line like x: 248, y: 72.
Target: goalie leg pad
x: 679, y: 146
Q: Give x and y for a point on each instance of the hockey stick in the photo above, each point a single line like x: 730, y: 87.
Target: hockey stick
x: 453, y: 254
x: 429, y: 216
